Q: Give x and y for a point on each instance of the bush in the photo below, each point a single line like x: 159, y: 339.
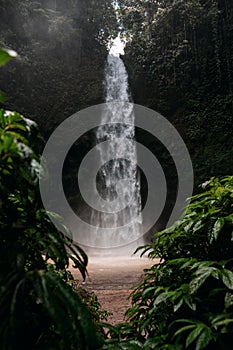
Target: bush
x: 186, y: 300
x: 38, y: 309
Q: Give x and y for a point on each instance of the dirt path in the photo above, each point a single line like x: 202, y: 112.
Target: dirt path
x: 111, y: 279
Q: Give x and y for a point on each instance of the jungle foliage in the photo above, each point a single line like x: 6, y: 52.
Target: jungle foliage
x: 39, y: 308
x: 179, y: 57
x: 185, y: 301
x: 61, y: 49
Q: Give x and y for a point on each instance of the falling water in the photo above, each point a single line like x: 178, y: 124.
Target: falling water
x: 118, y: 179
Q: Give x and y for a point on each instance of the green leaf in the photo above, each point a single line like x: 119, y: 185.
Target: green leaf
x: 198, y: 226
x: 218, y: 227
x: 7, y: 142
x: 15, y: 125
x: 228, y: 300
x: 229, y: 218
x: 204, y: 339
x: 194, y: 334
x: 197, y: 282
x: 152, y: 291
x: 227, y: 278
x: 18, y: 136
x: 163, y: 297
x: 224, y: 322
x: 189, y: 303
x: 6, y: 55
x: 178, y: 305
x: 66, y: 309
x: 185, y: 328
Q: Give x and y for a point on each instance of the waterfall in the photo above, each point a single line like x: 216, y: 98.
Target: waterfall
x: 118, y: 180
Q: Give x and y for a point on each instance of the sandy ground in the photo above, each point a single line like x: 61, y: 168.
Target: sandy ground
x: 111, y: 280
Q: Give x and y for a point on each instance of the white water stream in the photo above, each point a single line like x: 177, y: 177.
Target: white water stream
x: 118, y: 181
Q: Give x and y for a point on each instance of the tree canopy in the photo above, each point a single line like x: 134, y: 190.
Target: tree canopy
x: 179, y: 56
x: 62, y: 50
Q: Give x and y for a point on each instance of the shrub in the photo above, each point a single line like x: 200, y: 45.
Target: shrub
x: 38, y: 309
x: 186, y: 300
